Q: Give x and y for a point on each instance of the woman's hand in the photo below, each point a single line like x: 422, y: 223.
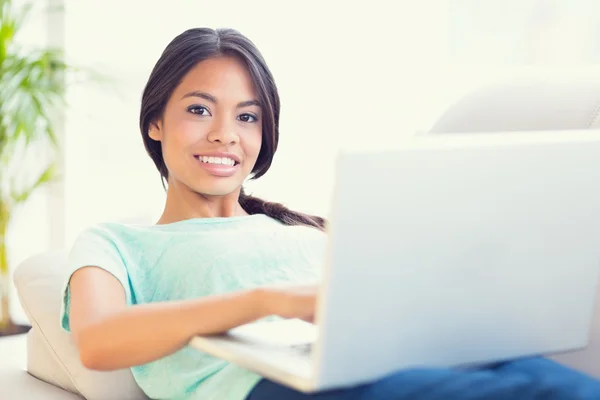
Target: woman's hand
x: 298, y: 301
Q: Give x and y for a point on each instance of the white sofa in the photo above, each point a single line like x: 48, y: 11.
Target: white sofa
x: 16, y: 383
x: 51, y: 355
x: 541, y: 104
x: 533, y: 105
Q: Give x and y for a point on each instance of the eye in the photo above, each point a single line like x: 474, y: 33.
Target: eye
x: 248, y: 118
x: 199, y: 110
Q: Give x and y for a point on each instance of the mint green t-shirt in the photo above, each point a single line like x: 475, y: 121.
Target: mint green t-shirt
x: 192, y: 259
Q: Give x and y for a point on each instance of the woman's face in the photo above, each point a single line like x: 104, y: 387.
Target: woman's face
x: 211, y: 129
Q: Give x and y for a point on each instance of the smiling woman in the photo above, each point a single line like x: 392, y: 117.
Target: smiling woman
x: 209, y: 121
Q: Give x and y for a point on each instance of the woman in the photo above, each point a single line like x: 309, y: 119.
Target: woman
x: 137, y: 294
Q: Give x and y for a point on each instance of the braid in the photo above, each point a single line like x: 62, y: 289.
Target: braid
x: 254, y: 205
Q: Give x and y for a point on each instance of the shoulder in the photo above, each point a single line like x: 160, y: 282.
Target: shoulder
x: 111, y: 232
x: 96, y: 239
x: 107, y: 239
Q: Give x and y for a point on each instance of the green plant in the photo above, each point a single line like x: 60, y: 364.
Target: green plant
x: 31, y: 89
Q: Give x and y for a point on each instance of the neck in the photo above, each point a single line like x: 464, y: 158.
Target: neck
x: 183, y: 203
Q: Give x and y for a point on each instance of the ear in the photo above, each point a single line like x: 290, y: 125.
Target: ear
x: 155, y: 131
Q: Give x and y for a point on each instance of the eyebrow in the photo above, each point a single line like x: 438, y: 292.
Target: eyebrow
x: 213, y: 99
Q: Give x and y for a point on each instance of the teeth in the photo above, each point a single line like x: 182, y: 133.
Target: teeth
x: 217, y: 160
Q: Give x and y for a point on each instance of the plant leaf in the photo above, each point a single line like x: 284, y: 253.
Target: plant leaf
x: 32, y: 92
x: 47, y: 176
x: 32, y: 85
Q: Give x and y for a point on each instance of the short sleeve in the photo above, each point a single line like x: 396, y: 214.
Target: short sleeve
x: 93, y: 247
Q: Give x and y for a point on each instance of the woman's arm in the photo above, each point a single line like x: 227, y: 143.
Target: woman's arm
x: 111, y: 336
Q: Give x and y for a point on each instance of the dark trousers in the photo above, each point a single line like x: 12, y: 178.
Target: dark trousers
x: 532, y: 378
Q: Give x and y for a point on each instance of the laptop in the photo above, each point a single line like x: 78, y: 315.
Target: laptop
x: 448, y: 251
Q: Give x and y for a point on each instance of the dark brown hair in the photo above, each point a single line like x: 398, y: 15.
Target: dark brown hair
x: 179, y: 57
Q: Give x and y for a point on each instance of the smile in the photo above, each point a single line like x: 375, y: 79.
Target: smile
x: 217, y: 160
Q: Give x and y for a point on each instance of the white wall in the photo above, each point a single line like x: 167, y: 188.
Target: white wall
x: 347, y: 73
x: 350, y: 73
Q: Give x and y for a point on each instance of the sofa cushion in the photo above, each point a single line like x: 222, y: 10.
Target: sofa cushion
x: 53, y: 356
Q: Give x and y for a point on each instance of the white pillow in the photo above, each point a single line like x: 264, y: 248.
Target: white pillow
x: 52, y: 355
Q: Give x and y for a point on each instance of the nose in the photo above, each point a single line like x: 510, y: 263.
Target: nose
x: 223, y: 132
